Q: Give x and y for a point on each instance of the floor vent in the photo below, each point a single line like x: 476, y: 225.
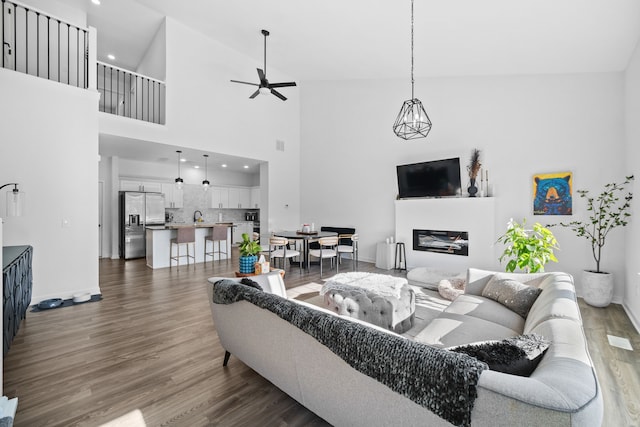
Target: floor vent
x: 619, y: 342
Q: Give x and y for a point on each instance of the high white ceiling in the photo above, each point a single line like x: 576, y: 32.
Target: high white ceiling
x: 367, y: 39
x: 370, y: 39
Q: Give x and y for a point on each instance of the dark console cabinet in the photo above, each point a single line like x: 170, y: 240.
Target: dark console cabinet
x: 17, y: 280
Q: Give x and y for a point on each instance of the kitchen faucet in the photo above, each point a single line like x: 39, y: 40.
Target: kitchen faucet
x: 195, y: 218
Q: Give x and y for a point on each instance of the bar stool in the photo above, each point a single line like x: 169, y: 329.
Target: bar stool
x: 186, y: 236
x: 401, y: 257
x: 218, y: 234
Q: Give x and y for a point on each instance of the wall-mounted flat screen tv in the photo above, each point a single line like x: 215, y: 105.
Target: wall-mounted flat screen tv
x: 438, y: 178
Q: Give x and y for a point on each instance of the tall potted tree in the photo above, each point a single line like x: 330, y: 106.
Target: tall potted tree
x: 607, y: 210
x: 527, y: 249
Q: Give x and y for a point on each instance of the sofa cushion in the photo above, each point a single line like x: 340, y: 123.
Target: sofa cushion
x: 450, y: 329
x: 429, y: 278
x: 512, y: 294
x: 487, y: 309
x: 557, y: 300
x: 516, y: 356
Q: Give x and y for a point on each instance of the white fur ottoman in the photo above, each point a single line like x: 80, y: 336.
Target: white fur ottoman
x: 385, y: 301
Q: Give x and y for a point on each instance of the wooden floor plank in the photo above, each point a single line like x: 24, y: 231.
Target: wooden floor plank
x: 151, y: 345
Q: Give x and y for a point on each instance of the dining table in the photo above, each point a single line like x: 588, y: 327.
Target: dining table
x: 306, y: 239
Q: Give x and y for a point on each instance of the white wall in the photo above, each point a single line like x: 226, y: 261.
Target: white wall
x: 522, y: 124
x: 206, y: 111
x: 632, y: 112
x: 49, y: 146
x: 154, y: 62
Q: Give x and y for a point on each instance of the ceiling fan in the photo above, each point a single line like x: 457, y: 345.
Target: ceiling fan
x: 264, y: 87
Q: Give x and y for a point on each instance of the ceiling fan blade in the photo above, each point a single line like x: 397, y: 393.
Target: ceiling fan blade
x: 288, y: 84
x: 278, y: 94
x: 245, y: 83
x: 263, y: 77
x: 256, y: 93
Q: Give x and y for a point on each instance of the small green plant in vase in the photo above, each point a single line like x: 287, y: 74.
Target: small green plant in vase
x: 527, y: 250
x: 249, y: 250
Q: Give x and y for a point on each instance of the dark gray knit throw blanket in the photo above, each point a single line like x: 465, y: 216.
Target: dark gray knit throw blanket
x: 440, y: 380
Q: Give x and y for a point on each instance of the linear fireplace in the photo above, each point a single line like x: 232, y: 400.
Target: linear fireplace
x: 446, y: 242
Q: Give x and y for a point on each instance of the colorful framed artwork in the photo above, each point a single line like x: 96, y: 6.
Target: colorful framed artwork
x: 553, y: 193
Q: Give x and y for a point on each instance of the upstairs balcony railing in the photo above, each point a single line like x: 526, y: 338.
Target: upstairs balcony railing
x: 128, y: 94
x: 42, y: 45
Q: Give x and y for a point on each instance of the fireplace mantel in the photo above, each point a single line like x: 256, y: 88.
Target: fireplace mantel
x: 474, y: 215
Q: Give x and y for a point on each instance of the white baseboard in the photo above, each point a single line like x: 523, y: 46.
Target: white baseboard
x: 634, y: 321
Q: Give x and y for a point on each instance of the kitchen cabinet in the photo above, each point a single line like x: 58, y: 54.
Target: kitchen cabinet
x: 239, y: 198
x: 133, y: 185
x: 242, y: 227
x: 255, y: 197
x: 173, y: 197
x: 230, y: 197
x: 219, y: 197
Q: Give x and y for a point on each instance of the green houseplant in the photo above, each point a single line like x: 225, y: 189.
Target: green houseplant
x: 249, y: 250
x: 528, y: 250
x: 607, y: 211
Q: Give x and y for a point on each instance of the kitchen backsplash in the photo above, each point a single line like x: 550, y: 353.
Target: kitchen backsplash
x: 197, y: 200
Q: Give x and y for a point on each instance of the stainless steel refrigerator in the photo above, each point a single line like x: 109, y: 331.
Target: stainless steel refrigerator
x: 138, y: 210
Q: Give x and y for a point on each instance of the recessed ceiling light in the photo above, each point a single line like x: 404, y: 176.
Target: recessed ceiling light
x: 224, y: 165
x: 111, y: 57
x: 96, y: 2
x: 183, y: 159
x: 246, y: 166
x: 196, y: 166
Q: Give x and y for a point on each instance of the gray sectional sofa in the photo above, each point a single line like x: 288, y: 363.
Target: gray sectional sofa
x: 353, y: 373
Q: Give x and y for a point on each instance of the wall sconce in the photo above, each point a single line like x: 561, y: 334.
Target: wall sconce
x: 15, y: 200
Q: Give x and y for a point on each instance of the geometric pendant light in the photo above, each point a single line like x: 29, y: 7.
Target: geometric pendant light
x: 412, y: 121
x: 205, y: 183
x: 179, y: 181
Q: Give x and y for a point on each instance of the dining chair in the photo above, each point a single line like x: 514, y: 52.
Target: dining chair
x: 328, y: 249
x: 352, y: 248
x: 278, y: 248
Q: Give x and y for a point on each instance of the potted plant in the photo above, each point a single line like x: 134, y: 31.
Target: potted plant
x: 249, y: 250
x: 528, y: 250
x: 608, y: 210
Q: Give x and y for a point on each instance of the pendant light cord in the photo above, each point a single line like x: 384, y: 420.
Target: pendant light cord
x: 412, y: 81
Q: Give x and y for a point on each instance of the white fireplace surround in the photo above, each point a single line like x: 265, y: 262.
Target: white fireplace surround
x: 475, y: 215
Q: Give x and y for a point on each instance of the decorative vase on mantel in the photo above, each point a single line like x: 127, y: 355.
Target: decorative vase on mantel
x: 472, y: 190
x: 597, y: 288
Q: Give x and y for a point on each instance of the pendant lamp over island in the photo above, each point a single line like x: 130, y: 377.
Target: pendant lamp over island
x: 179, y: 181
x: 205, y: 183
x: 412, y: 121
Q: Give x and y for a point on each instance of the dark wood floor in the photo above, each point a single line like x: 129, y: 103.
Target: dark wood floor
x: 151, y: 345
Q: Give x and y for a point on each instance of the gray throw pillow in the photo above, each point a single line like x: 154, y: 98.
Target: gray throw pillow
x: 514, y: 295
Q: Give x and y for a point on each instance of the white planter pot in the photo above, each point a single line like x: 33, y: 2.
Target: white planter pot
x: 597, y: 288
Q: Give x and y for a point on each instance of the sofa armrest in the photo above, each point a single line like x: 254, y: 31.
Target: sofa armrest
x: 271, y: 282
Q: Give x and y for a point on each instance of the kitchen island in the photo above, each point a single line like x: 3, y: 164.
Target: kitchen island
x: 158, y: 239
